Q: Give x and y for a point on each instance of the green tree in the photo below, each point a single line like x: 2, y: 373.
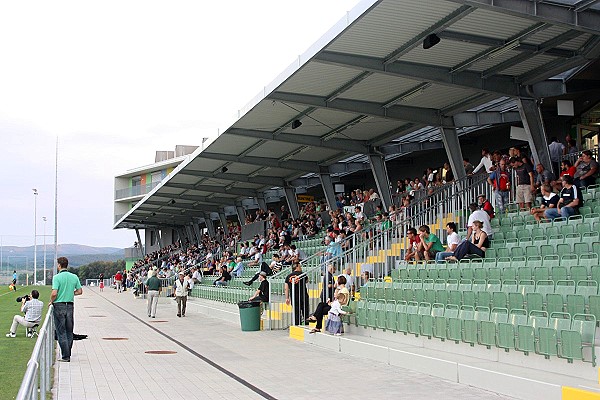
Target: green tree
x: 94, y: 269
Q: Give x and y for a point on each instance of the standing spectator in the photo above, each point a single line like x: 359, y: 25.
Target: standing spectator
x: 543, y: 176
x: 453, y: 241
x: 586, y: 170
x: 549, y: 200
x: 500, y: 179
x: 556, y: 150
x: 181, y: 292
x: 430, y: 243
x: 525, y: 182
x: 65, y: 286
x: 154, y: 288
x: 296, y: 293
x: 119, y: 281
x: 485, y: 205
x: 570, y: 200
x: 468, y: 166
x: 14, y: 280
x: 486, y: 162
x: 571, y: 146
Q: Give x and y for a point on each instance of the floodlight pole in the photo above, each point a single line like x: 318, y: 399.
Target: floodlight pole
x: 44, y: 218
x: 35, y: 194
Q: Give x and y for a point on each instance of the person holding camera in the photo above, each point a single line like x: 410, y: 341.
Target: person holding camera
x: 32, y: 307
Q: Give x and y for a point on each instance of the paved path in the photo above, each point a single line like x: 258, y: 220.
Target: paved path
x: 216, y: 360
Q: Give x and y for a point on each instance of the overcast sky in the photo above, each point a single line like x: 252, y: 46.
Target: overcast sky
x: 117, y: 80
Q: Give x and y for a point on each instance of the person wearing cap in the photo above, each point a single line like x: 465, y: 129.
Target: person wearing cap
x: 267, y: 269
x: 485, y: 205
x: 181, y: 292
x: 262, y: 293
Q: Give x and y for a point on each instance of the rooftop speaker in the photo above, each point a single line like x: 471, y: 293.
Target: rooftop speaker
x: 296, y: 124
x: 431, y: 41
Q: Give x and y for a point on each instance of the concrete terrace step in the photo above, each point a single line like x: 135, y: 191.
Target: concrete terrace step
x: 512, y: 374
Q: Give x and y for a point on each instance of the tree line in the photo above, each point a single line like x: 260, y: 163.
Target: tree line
x: 94, y: 269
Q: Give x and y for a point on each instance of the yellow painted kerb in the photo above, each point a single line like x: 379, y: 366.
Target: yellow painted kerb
x: 569, y: 393
x: 297, y: 333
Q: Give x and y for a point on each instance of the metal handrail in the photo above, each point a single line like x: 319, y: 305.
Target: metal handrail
x: 36, y: 382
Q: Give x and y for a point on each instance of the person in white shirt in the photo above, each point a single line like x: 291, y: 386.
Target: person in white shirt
x: 258, y: 259
x: 453, y: 241
x: 32, y: 309
x: 486, y: 162
x: 479, y: 215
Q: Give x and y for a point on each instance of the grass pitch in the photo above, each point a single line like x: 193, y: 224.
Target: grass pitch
x: 16, y: 351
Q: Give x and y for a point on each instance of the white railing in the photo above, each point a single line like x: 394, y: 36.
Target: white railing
x: 36, y: 382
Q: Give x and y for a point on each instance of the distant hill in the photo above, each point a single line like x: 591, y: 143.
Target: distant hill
x: 76, y: 253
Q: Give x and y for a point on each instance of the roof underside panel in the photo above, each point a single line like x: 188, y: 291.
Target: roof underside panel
x: 529, y: 64
x: 318, y: 79
x: 268, y: 116
x: 202, y: 164
x: 439, y: 96
x: 369, y: 128
x: 492, y: 24
x: 374, y: 36
x: 446, y: 53
x: 379, y: 88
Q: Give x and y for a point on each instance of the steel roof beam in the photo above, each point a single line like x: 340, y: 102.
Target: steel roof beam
x: 355, y: 146
x: 405, y: 148
x: 494, y: 42
x: 584, y: 5
x: 402, y: 113
x: 297, y: 165
x: 215, y: 189
x: 165, y: 207
x: 472, y: 118
x: 226, y: 201
x: 258, y: 180
x: 504, y: 85
x: 584, y: 20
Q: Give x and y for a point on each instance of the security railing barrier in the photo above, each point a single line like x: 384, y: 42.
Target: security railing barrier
x: 36, y: 382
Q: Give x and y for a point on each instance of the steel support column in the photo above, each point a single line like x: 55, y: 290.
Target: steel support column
x: 262, y: 203
x: 535, y: 132
x: 223, y: 220
x: 327, y: 185
x: 159, y: 238
x: 197, y: 231
x: 209, y: 225
x: 190, y: 234
x: 241, y: 214
x: 454, y: 152
x: 382, y: 180
x: 292, y: 200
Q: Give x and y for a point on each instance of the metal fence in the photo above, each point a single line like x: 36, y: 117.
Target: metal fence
x: 36, y: 382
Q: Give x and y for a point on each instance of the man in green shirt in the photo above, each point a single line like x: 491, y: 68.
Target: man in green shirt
x: 430, y: 243
x: 65, y: 286
x: 154, y: 288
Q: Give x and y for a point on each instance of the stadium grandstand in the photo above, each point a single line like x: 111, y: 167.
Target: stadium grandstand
x: 391, y: 132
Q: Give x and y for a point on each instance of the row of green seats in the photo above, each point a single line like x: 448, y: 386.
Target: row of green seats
x: 534, y: 332
x: 589, y: 223
x: 222, y: 294
x: 569, y: 239
x: 555, y: 299
x: 549, y: 268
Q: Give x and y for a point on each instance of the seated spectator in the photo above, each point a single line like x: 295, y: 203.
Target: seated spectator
x: 477, y: 244
x: 275, y: 266
x: 224, y: 277
x: 430, y: 244
x: 544, y: 176
x: 479, y: 215
x: 33, y: 314
x: 414, y: 240
x: 586, y: 170
x: 325, y: 305
x: 262, y: 293
x: 238, y: 270
x: 570, y: 200
x: 453, y: 240
x: 257, y: 259
x: 549, y: 200
x: 334, y: 324
x: 196, y: 277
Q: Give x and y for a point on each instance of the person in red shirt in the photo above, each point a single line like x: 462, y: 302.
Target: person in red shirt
x: 119, y: 281
x: 485, y: 205
x: 413, y: 244
x: 566, y: 168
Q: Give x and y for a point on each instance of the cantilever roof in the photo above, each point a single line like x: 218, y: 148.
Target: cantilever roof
x: 368, y: 86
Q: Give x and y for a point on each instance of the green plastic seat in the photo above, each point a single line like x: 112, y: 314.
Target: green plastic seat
x: 441, y: 296
x: 578, y: 273
x: 526, y: 286
x: 509, y: 285
x: 479, y: 285
x: 361, y: 313
x: 381, y: 314
x: 575, y: 304
x: 437, y: 314
x: 541, y: 274
x: 525, y: 273
x: 430, y: 296
x: 587, y: 288
x: 516, y: 301
x: 455, y: 322
x: 419, y: 295
x: 426, y: 319
x: 569, y: 260
x: 372, y: 314
x: 414, y: 319
x: 494, y: 273
x: 401, y: 317
x: 483, y: 299
x: 499, y: 300
x: 559, y: 273
x: 565, y: 288
x: 494, y: 285
x: 581, y: 248
x: 527, y: 335
x: 534, y: 301
x: 451, y: 284
x: 582, y: 334
x: 507, y: 332
x: 534, y: 261
x: 594, y: 306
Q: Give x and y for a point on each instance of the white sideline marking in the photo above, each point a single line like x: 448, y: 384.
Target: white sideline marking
x: 513, y: 376
x: 591, y: 388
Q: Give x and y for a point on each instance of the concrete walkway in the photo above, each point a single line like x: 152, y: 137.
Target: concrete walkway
x: 215, y: 359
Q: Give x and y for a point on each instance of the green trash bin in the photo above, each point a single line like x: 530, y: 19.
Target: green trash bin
x: 250, y: 315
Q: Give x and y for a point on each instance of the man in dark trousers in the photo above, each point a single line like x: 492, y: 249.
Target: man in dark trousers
x: 262, y: 293
x: 296, y: 286
x: 65, y: 286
